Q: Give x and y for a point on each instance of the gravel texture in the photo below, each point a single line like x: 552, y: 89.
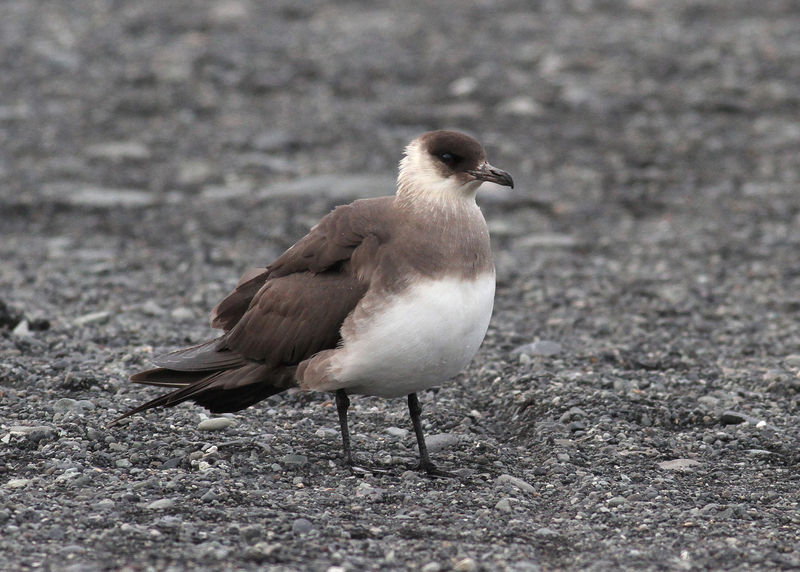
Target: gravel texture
x: 635, y: 404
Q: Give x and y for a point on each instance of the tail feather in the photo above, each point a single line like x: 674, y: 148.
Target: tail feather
x: 221, y: 391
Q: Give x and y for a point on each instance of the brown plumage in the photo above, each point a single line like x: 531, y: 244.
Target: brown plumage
x: 281, y: 318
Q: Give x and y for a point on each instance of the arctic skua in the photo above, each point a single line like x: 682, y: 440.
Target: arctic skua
x: 386, y: 296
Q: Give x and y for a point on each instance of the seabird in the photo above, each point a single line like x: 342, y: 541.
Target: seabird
x: 385, y: 296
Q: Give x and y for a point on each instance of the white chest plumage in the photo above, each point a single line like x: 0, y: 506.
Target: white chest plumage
x: 422, y: 337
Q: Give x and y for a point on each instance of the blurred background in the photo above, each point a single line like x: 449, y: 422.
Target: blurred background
x: 648, y: 266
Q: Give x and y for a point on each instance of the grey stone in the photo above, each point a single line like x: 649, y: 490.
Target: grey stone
x: 215, y: 424
x: 439, y: 441
x: 294, y: 460
x: 540, y: 348
x: 679, y: 465
x: 160, y: 504
x: 515, y: 482
x: 466, y: 565
x: 91, y: 318
x: 616, y: 501
x: 398, y: 432
x: 302, y: 526
x: 546, y: 532
x: 503, y: 505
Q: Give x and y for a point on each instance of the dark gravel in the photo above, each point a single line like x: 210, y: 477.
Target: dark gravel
x: 635, y: 404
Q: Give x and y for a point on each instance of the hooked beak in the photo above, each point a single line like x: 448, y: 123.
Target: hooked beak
x: 492, y: 174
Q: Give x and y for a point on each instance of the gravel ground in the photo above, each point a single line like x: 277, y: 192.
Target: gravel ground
x: 635, y: 404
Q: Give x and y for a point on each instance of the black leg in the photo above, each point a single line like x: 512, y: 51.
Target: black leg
x: 342, y: 403
x: 415, y: 410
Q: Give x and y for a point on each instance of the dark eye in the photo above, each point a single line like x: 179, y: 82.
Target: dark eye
x: 449, y: 159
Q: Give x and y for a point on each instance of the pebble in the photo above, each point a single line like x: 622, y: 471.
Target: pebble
x: 294, y: 460
x: 679, y: 465
x: 397, y: 432
x: 302, y: 526
x: 542, y: 348
x: 215, y: 424
x: 522, y: 106
x: 65, y: 405
x: 182, y: 314
x: 546, y: 532
x: 440, y: 441
x: 16, y: 484
x: 616, y: 501
x: 516, y: 482
x: 503, y: 505
x: 151, y: 308
x: 466, y: 565
x: 736, y: 418
x: 22, y: 330
x: 92, y: 318
x: 160, y: 504
x: 431, y: 567
x: 792, y: 360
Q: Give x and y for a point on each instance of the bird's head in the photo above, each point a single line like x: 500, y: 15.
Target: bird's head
x: 446, y: 165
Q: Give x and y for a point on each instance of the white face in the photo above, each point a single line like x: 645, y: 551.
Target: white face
x: 421, y: 176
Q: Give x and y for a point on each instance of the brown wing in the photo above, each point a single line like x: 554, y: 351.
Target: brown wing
x: 331, y: 242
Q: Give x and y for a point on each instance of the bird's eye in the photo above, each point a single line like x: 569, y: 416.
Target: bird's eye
x: 449, y: 159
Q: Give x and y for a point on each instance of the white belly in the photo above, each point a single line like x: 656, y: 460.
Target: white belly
x: 423, y: 337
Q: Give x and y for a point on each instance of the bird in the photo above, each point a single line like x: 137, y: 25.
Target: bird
x: 385, y: 296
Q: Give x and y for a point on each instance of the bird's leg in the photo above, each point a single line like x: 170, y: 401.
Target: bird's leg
x: 342, y: 403
x: 415, y: 410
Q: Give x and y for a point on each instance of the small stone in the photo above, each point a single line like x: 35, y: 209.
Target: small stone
x: 732, y: 418
x: 466, y: 565
x: 151, y: 308
x: 122, y: 463
x: 194, y: 173
x: 295, y: 460
x: 792, y: 360
x: 522, y: 106
x: 709, y: 401
x: 17, y: 484
x: 182, y: 314
x: 543, y: 348
x: 65, y: 405
x: 503, y: 505
x: 515, y: 482
x: 397, y: 432
x: 431, y: 567
x: 209, y: 496
x: 105, y: 504
x: 215, y: 424
x: 679, y: 465
x: 92, y: 318
x: 546, y: 532
x: 463, y: 86
x: 22, y: 330
x: 160, y: 504
x: 616, y: 501
x: 302, y: 526
x: 263, y: 550
x: 440, y: 441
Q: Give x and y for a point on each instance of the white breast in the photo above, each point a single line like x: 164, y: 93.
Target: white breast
x: 422, y: 337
